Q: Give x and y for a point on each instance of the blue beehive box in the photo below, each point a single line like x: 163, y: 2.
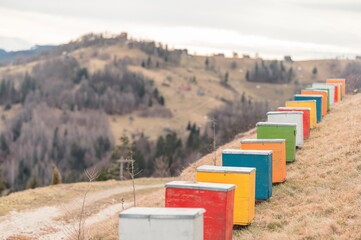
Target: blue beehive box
x: 261, y: 160
x: 299, y: 97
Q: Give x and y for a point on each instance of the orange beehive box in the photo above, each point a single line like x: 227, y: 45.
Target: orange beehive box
x: 342, y: 81
x: 324, y: 98
x: 278, y: 148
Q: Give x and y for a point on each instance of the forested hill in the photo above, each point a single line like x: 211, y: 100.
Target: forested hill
x: 96, y: 99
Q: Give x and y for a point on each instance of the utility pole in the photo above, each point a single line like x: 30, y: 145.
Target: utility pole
x: 121, y: 162
x: 214, y: 142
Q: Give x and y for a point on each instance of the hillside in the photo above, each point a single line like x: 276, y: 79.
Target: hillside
x: 319, y: 200
x: 187, y: 85
x: 96, y: 99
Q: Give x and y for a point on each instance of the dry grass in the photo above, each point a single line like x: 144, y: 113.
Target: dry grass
x: 321, y: 198
x: 62, y: 193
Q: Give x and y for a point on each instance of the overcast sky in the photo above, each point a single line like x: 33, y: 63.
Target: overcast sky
x: 301, y: 28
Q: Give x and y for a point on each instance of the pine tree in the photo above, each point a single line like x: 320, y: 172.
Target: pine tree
x: 56, y: 179
x: 206, y: 62
x: 247, y: 75
x: 314, y: 71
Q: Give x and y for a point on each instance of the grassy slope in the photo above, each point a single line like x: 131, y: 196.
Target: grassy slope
x: 320, y: 199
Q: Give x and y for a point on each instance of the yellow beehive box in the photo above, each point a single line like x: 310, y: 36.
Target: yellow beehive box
x: 306, y: 104
x: 243, y: 178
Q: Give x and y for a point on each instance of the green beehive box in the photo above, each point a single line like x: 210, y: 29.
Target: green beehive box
x: 287, y: 131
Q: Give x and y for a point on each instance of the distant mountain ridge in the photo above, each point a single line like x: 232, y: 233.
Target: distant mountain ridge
x: 6, y: 56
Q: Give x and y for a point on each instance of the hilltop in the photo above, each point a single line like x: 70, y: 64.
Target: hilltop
x: 319, y: 200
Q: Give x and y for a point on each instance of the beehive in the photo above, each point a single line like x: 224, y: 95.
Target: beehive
x: 338, y: 91
x: 261, y: 160
x: 161, y: 224
x: 311, y: 104
x: 287, y: 131
x: 278, y: 148
x: 328, y: 86
x: 306, y: 118
x: 342, y: 81
x: 318, y: 99
x: 216, y: 199
x: 289, y: 117
x: 323, y: 100
x: 244, y: 195
x: 328, y: 95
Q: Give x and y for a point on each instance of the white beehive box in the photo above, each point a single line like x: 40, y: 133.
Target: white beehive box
x: 328, y: 86
x: 289, y: 117
x: 161, y: 224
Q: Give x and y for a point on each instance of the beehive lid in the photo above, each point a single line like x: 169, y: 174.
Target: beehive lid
x: 263, y: 140
x: 209, y: 168
x: 283, y: 113
x: 302, y: 101
x: 162, y: 213
x: 338, y: 79
x: 321, y: 84
x: 276, y: 124
x: 201, y: 186
x: 315, y: 90
x: 337, y: 84
x: 294, y: 108
x: 253, y: 152
x: 300, y: 95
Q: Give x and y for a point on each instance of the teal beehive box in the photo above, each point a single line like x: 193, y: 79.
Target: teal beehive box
x: 287, y: 131
x: 300, y: 97
x: 259, y: 159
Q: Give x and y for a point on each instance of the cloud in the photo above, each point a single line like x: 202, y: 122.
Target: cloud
x: 300, y: 22
x: 13, y: 44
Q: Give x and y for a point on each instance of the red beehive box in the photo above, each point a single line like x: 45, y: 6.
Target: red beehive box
x: 306, y: 118
x: 217, y: 199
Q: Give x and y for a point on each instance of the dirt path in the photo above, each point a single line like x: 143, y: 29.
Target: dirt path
x: 50, y: 223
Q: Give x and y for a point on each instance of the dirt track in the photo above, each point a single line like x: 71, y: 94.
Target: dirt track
x: 59, y: 222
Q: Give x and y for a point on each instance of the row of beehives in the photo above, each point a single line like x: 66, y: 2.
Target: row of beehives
x: 225, y: 195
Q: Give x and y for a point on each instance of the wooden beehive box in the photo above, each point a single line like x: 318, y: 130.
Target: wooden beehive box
x: 328, y: 95
x: 261, y: 160
x: 287, y: 131
x: 311, y: 104
x: 216, y: 199
x: 306, y: 118
x: 338, y: 91
x: 244, y: 196
x: 342, y: 81
x: 324, y: 95
x: 161, y: 224
x: 318, y: 99
x: 328, y: 86
x: 278, y: 148
x: 289, y: 117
